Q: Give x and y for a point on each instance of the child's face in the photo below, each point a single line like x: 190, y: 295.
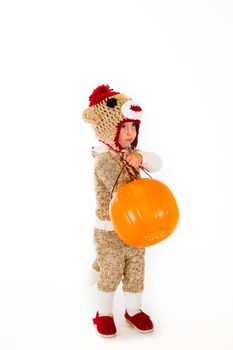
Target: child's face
x: 127, y: 134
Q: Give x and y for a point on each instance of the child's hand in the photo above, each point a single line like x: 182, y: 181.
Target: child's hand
x: 134, y: 160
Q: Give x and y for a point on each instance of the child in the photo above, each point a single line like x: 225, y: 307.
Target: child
x: 116, y: 121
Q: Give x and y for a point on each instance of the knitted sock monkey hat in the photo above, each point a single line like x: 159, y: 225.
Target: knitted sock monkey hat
x: 107, y: 111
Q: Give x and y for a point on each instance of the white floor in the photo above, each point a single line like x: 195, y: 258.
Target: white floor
x: 55, y: 315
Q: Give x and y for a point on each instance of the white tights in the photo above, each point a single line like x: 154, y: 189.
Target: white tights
x: 106, y: 299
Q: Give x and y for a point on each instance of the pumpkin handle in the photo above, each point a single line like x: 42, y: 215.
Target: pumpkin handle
x: 141, y: 167
x: 117, y: 179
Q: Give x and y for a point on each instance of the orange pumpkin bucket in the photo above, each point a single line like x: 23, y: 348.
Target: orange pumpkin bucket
x: 144, y: 212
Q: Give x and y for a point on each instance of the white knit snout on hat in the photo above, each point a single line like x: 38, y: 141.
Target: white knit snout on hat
x: 131, y: 110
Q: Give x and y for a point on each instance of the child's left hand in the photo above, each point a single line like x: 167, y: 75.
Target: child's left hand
x: 134, y: 160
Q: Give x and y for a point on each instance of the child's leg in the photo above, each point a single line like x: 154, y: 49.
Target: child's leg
x: 105, y: 302
x: 133, y: 279
x: 104, y: 319
x: 111, y: 266
x: 133, y: 303
x: 110, y: 255
x: 133, y: 282
x: 133, y: 287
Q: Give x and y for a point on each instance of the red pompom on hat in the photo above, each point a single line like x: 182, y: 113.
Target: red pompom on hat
x: 101, y: 93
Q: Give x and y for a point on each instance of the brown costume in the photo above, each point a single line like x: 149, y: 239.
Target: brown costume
x: 115, y: 260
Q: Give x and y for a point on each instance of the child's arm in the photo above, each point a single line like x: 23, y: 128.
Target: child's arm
x: 107, y: 170
x: 151, y: 161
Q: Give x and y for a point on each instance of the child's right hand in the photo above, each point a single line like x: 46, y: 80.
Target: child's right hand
x: 134, y: 160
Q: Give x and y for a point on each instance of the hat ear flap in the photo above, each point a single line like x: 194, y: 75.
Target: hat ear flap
x: 90, y: 116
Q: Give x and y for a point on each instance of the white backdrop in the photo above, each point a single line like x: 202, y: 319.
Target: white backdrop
x: 174, y: 58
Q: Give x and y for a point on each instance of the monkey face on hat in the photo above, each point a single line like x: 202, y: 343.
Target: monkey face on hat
x: 107, y: 111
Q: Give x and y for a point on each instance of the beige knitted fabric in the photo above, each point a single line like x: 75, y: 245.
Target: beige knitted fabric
x: 107, y: 167
x: 118, y: 262
x: 115, y: 260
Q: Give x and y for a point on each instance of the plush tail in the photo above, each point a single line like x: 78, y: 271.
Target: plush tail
x: 92, y: 277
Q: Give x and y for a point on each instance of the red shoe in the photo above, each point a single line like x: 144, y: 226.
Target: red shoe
x: 105, y: 325
x: 141, y: 322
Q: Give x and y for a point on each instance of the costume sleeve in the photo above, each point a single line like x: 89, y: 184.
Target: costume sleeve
x: 107, y: 169
x: 151, y: 161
